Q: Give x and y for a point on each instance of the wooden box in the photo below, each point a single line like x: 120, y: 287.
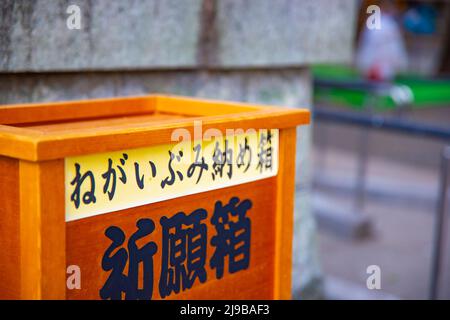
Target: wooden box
x: 147, y: 198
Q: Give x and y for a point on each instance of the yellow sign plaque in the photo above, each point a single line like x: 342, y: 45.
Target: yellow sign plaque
x: 107, y: 182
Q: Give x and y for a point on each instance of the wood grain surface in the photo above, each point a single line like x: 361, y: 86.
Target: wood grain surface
x: 9, y: 229
x: 86, y: 244
x: 38, y: 244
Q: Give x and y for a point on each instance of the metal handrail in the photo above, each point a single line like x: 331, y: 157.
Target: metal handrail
x: 382, y: 123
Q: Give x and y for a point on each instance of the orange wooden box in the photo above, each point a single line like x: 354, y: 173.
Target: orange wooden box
x: 220, y: 249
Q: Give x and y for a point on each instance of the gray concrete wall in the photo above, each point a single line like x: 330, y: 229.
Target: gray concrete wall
x: 251, y: 51
x: 155, y: 34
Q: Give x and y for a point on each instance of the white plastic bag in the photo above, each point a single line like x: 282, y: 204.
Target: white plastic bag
x: 381, y: 52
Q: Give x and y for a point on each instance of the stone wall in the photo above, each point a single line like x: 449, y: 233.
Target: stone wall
x: 253, y: 51
x: 156, y: 34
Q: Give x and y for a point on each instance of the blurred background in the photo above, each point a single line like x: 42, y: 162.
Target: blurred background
x: 371, y: 169
x: 379, y: 174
